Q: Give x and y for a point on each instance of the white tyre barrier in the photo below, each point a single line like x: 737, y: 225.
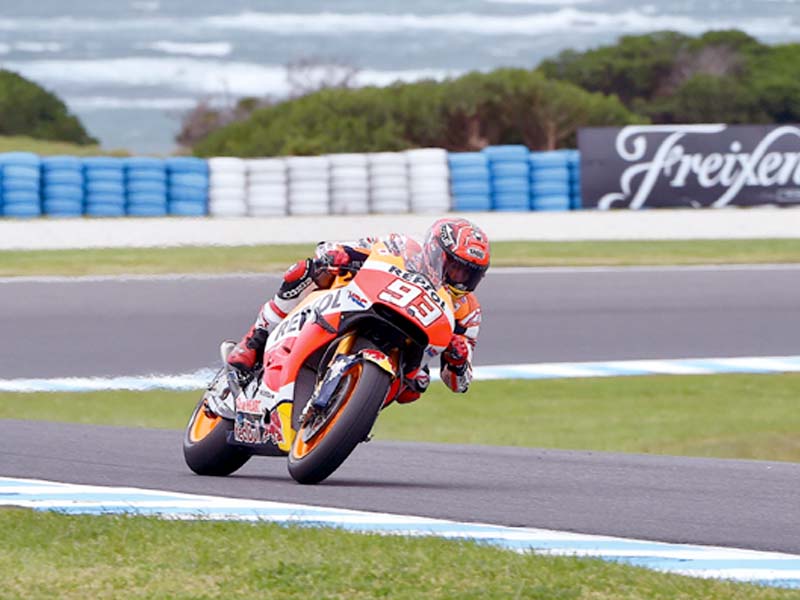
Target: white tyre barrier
x: 227, y: 192
x: 388, y: 178
x: 309, y: 185
x: 344, y: 161
x: 226, y: 164
x: 429, y: 180
x: 350, y: 184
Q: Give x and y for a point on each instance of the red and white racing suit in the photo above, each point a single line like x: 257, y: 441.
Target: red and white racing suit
x: 303, y: 278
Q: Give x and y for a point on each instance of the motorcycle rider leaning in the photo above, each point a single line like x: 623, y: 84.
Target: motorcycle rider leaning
x: 454, y: 247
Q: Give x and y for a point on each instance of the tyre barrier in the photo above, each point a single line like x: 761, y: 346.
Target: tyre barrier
x: 388, y: 182
x: 20, y: 178
x: 549, y: 178
x: 509, y: 174
x: 187, y: 186
x: 145, y: 187
x: 104, y: 186
x: 424, y: 180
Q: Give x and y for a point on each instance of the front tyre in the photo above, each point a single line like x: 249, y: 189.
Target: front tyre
x: 205, y: 446
x: 323, y: 443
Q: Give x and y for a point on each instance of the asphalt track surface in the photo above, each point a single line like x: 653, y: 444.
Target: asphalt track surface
x: 138, y: 327
x: 746, y: 504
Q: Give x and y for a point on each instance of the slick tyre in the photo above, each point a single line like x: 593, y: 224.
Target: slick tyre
x: 205, y: 446
x: 360, y: 397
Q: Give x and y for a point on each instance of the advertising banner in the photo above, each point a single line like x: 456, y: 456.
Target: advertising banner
x: 685, y: 166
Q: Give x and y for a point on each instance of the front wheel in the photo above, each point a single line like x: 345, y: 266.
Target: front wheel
x: 205, y: 444
x: 324, y: 442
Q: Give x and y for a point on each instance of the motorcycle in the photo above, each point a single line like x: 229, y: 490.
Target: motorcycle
x: 329, y: 368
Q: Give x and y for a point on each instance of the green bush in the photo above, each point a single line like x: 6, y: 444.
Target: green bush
x: 721, y: 76
x: 502, y: 107
x: 30, y: 110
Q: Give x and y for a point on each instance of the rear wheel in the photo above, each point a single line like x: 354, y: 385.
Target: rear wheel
x: 324, y: 441
x: 205, y: 446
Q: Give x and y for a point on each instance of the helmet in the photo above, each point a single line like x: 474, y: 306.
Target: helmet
x: 458, y: 250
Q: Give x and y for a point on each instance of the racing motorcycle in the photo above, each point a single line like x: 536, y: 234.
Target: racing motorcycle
x: 328, y: 370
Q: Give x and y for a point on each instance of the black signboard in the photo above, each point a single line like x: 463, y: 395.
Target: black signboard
x: 685, y: 166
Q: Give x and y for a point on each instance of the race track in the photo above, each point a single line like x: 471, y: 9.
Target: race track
x: 746, y: 504
x: 171, y: 325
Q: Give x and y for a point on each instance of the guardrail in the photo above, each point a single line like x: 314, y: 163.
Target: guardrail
x: 425, y: 180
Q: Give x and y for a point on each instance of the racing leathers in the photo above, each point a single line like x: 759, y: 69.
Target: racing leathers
x: 312, y: 274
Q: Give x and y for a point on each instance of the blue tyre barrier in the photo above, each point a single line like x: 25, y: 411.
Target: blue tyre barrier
x: 510, y: 185
x: 23, y: 159
x: 62, y: 208
x: 102, y: 163
x: 192, y: 180
x: 20, y: 171
x: 545, y: 160
x: 105, y: 198
x: 550, y: 174
x: 62, y: 192
x: 187, y: 194
x: 140, y: 175
x: 21, y: 197
x: 18, y: 184
x: 146, y: 187
x: 94, y: 186
x: 22, y: 210
x: 551, y: 203
x: 147, y: 210
x: 144, y: 163
x: 510, y: 169
x: 469, y: 173
x: 466, y: 160
x: 186, y: 164
x: 472, y: 202
x: 510, y: 201
x: 470, y: 187
x: 57, y: 163
x: 509, y: 153
x: 187, y: 209
x: 147, y: 198
x: 110, y: 175
x: 550, y: 188
x: 63, y: 177
x: 102, y: 209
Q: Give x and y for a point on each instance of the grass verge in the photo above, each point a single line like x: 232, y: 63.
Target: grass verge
x: 136, y: 557
x: 277, y: 257
x: 724, y: 416
x: 50, y: 147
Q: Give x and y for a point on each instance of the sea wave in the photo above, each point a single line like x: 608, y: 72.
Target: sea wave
x: 545, y: 22
x: 191, y: 48
x: 201, y: 77
x: 89, y: 103
x: 538, y: 22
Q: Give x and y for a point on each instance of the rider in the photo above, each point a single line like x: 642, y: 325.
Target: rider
x: 454, y: 247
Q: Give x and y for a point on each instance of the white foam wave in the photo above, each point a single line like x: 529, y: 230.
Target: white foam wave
x: 36, y: 47
x: 4, y: 48
x: 146, y: 5
x: 547, y: 22
x: 109, y: 102
x: 192, y: 48
x: 203, y: 77
x: 567, y: 19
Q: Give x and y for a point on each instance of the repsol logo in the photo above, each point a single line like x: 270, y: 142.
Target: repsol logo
x: 294, y: 323
x: 419, y: 281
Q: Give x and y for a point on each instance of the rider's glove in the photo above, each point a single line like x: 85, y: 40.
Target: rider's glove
x: 457, y: 354
x: 326, y: 266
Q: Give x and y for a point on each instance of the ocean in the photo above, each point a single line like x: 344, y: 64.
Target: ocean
x: 130, y: 69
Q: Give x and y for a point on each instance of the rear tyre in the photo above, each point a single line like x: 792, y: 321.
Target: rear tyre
x: 205, y: 446
x: 320, y: 448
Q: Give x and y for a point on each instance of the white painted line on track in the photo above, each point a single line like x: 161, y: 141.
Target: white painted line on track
x: 543, y: 270
x: 615, y: 368
x: 766, y: 568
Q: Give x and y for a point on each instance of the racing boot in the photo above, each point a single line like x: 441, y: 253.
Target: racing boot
x: 250, y: 350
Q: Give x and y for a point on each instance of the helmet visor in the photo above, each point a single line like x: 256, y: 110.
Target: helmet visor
x: 462, y: 276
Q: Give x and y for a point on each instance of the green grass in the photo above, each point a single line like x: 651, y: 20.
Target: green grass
x: 725, y: 416
x: 50, y: 148
x: 45, y: 555
x: 273, y: 258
